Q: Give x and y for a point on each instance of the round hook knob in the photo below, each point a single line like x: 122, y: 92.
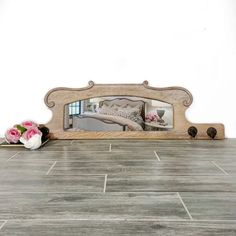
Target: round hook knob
x: 192, y: 131
x: 211, y: 132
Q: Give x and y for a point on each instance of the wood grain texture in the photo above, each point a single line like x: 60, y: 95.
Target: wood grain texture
x: 52, y: 184
x: 211, y: 206
x: 6, y: 154
x: 140, y: 196
x: 228, y: 165
x: 197, y: 150
x: 74, y: 147
x: 171, y: 183
x: 87, y: 156
x: 180, y: 98
x: 92, y: 206
x: 123, y: 168
x: 200, y: 155
x: 117, y: 228
x: 21, y: 168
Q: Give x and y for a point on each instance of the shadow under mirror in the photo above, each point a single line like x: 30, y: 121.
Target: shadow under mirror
x: 121, y: 113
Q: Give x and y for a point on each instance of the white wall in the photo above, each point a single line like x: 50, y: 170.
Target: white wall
x: 50, y: 43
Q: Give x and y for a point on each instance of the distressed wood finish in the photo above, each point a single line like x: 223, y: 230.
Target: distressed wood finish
x: 94, y: 206
x: 117, y: 228
x: 179, y: 97
x: 119, y: 187
x: 51, y: 184
x: 211, y: 206
x: 126, y: 168
x: 188, y: 183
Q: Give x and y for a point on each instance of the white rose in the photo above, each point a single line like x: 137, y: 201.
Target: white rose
x: 33, y: 143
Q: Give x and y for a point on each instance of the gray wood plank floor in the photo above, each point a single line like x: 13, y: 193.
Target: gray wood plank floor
x: 119, y: 187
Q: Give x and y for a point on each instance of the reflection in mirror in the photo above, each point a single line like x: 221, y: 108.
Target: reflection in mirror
x: 118, y: 114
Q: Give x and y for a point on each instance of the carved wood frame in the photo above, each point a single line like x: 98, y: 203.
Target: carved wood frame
x: 179, y: 97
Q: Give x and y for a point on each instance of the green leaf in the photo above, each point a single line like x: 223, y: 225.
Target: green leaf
x: 21, y: 128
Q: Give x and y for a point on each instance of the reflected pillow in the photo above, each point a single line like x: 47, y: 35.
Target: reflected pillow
x: 128, y: 113
x: 107, y: 111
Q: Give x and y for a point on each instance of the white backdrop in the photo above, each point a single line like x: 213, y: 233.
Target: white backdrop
x: 50, y: 43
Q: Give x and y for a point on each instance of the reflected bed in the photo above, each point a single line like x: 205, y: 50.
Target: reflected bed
x: 120, y: 114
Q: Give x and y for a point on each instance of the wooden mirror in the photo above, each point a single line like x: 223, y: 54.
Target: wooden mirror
x: 128, y: 111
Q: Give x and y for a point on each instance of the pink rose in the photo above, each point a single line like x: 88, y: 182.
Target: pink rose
x: 152, y: 117
x: 28, y: 124
x: 12, y: 135
x: 30, y: 132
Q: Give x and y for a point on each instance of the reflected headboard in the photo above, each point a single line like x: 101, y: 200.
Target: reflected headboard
x: 178, y: 97
x: 125, y: 103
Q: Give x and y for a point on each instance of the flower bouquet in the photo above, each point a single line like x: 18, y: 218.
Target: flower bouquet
x: 152, y: 117
x: 28, y: 133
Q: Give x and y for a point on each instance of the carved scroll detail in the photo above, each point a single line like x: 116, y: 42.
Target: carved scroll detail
x: 51, y: 104
x: 186, y: 102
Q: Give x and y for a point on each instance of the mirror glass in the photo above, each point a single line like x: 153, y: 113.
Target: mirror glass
x: 121, y: 113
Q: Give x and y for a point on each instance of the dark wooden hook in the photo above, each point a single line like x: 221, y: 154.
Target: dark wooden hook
x: 192, y: 131
x: 211, y: 132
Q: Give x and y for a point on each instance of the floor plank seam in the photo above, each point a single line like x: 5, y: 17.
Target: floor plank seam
x: 118, y: 219
x: 220, y: 168
x: 2, y: 225
x: 105, y: 183
x: 83, y: 161
x: 110, y: 192
x: 185, y: 207
x: 13, y: 156
x: 78, y: 174
x: 73, y: 151
x: 188, y: 187
x: 49, y: 170
x: 55, y: 192
x: 158, y: 158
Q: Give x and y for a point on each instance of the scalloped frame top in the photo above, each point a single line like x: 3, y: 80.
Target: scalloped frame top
x: 179, y: 97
